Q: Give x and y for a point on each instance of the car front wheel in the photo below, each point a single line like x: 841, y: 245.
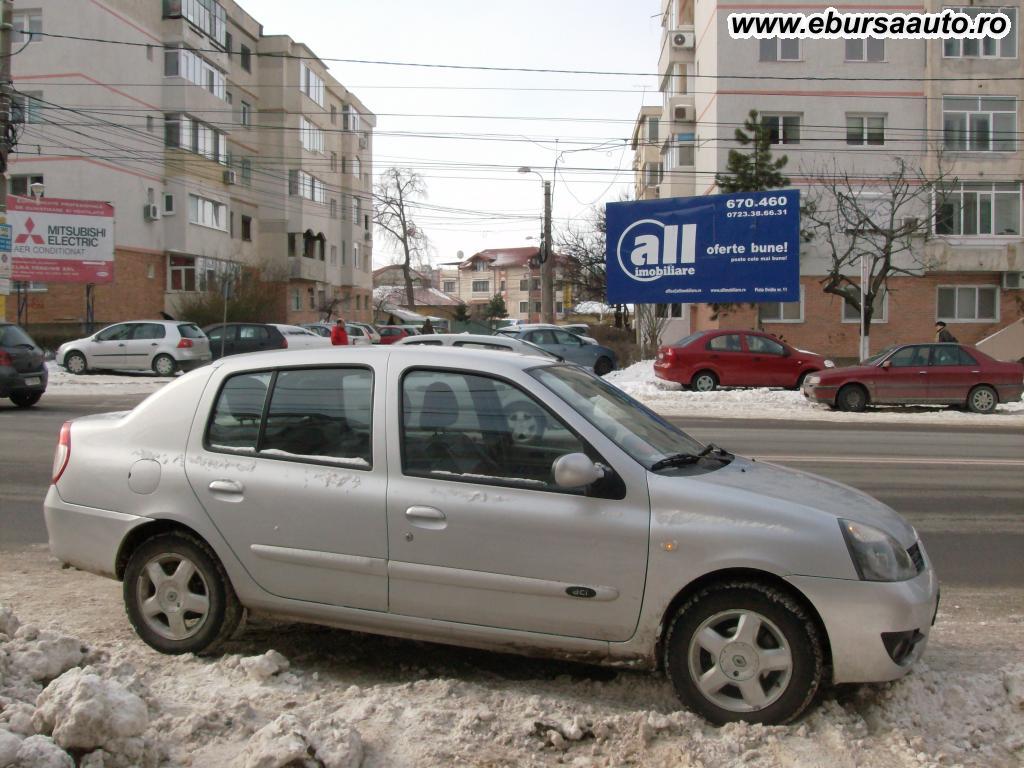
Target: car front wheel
x: 982, y: 399
x: 744, y: 651
x: 852, y: 397
x: 178, y: 597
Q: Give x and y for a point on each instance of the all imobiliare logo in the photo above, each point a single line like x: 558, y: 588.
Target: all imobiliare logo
x: 654, y: 250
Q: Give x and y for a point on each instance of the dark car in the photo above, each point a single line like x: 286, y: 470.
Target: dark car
x: 238, y: 338
x: 944, y: 374
x: 709, y: 359
x: 23, y: 373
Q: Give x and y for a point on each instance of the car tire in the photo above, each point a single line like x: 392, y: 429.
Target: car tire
x: 750, y: 626
x: 75, y: 363
x: 982, y: 399
x: 801, y: 378
x: 25, y: 399
x: 603, y: 366
x: 852, y: 398
x: 704, y: 381
x: 178, y: 596
x: 165, y: 365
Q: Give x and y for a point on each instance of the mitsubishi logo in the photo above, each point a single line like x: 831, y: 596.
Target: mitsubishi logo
x: 29, y: 227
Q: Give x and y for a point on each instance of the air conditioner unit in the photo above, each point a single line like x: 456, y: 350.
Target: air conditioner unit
x: 362, y: 141
x: 683, y: 114
x: 682, y: 39
x: 230, y: 177
x: 1013, y: 281
x: 910, y: 222
x: 151, y: 212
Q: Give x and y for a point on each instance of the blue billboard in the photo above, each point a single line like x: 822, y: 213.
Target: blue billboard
x: 740, y: 247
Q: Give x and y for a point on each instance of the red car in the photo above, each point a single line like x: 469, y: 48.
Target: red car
x: 389, y: 334
x: 950, y: 374
x: 709, y: 359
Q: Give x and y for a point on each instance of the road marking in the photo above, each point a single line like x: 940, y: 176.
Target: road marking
x: 946, y: 461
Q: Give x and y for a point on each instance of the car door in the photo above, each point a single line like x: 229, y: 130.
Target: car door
x: 107, y: 348
x: 222, y: 340
x: 574, y: 349
x: 905, y: 379
x: 726, y: 354
x: 252, y: 338
x: 141, y: 347
x: 477, y: 531
x: 769, y: 365
x: 298, y: 493
x: 952, y: 373
x: 544, y: 339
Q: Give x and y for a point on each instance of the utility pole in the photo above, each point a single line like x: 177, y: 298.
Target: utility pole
x: 547, y: 267
x: 6, y: 27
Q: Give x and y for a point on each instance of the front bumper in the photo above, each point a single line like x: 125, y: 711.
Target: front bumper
x: 14, y: 381
x: 86, y: 537
x: 857, y: 613
x: 819, y: 393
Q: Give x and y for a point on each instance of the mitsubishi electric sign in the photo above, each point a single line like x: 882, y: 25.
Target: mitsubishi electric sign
x: 742, y: 247
x: 61, y: 241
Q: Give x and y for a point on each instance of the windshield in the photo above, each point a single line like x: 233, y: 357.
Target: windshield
x: 876, y: 358
x: 634, y: 428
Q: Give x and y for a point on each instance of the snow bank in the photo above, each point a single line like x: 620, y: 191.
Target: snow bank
x: 671, y: 399
x: 130, y: 383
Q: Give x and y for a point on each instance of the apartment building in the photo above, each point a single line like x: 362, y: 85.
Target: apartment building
x: 835, y: 107
x: 224, y: 152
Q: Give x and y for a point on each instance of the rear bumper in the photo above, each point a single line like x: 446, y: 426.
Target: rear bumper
x: 14, y: 381
x: 1010, y: 393
x: 86, y: 537
x: 668, y: 373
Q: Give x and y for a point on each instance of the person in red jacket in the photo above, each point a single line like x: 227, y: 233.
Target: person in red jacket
x: 339, y: 336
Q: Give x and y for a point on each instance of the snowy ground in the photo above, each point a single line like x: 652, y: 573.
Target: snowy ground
x: 671, y: 399
x: 128, y: 383
x: 338, y: 699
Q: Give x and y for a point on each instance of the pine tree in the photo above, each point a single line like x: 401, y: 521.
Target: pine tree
x: 496, y: 308
x: 753, y: 171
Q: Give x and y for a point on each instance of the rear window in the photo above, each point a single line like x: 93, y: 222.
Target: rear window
x: 424, y: 343
x: 190, y: 331
x: 13, y: 336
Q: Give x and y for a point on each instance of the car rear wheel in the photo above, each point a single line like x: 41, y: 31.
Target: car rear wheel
x: 704, y: 381
x: 164, y: 365
x: 603, y: 366
x: 178, y: 597
x: 852, y: 397
x: 75, y: 363
x: 25, y: 399
x: 744, y: 651
x: 802, y: 378
x: 982, y: 399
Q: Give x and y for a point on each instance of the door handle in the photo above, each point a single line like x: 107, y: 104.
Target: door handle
x: 427, y: 517
x: 922, y: 373
x: 226, y: 486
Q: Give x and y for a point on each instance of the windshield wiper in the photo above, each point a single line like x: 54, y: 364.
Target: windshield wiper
x: 682, y: 459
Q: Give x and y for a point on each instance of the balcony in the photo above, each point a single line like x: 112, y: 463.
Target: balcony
x: 303, y: 268
x: 678, y: 46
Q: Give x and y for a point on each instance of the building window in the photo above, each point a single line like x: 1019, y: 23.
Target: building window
x: 357, y: 166
x: 973, y: 208
x: 311, y: 84
x: 305, y: 185
x: 652, y: 174
x: 168, y: 204
x: 207, y: 213
x: 357, y: 209
x: 312, y: 138
x: 245, y: 58
x: 356, y: 259
x: 187, y: 133
x: 652, y: 130
x: 536, y: 306
x: 196, y: 273
x: 150, y: 123
x: 481, y: 266
x: 334, y: 161
x: 207, y: 15
x: 334, y: 208
x: 979, y: 123
x: 27, y: 26
x: 334, y: 114
x: 880, y: 307
x: 181, y: 273
x: 536, y: 283
x: 987, y: 47
x: 481, y: 286
x: 25, y: 107
x: 349, y: 118
x: 187, y: 64
x: 686, y: 148
x: 782, y: 129
x: 246, y: 165
x: 524, y: 307
x: 870, y: 49
x: 296, y: 299
x: 449, y: 286
x: 782, y: 311
x: 865, y: 129
x: 245, y: 115
x: 22, y: 185
x: 524, y: 285
x: 777, y: 49
x: 247, y: 228
x: 968, y: 303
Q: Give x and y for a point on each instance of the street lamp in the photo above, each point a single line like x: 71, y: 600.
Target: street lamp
x: 547, y: 263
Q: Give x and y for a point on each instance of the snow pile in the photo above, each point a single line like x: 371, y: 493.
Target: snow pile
x: 671, y: 399
x: 129, y: 383
x: 287, y: 740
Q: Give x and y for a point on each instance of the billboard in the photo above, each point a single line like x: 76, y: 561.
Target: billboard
x: 61, y: 241
x: 740, y: 247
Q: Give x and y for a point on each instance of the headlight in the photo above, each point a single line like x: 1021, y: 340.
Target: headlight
x: 876, y: 555
x: 830, y: 364
x: 813, y: 380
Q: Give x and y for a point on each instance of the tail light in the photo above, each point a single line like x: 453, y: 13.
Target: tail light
x: 63, y: 452
x: 185, y: 344
x: 5, y: 358
x: 284, y: 343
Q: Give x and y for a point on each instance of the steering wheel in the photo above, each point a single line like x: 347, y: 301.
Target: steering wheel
x: 526, y: 422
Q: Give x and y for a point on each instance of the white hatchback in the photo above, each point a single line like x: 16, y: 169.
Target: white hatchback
x: 302, y: 338
x: 163, y: 346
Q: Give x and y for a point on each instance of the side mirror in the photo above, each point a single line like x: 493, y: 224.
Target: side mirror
x: 576, y: 470
x: 887, y: 364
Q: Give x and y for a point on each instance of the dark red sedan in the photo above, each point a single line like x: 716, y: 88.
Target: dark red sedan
x: 709, y: 359
x: 950, y: 374
x: 389, y: 334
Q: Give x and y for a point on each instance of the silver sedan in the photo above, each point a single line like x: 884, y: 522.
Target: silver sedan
x: 497, y: 501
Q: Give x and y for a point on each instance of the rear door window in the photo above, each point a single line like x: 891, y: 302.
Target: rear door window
x: 729, y: 342
x: 235, y: 424
x: 761, y: 345
x: 149, y: 331
x: 254, y: 332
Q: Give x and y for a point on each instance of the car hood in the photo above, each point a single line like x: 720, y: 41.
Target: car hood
x: 848, y: 372
x: 769, y: 494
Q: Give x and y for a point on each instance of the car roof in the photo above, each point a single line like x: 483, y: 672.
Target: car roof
x: 451, y: 338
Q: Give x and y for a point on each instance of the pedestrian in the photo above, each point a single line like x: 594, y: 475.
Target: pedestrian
x: 428, y: 327
x: 339, y: 336
x: 942, y: 334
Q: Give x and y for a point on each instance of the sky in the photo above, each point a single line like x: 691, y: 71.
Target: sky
x: 488, y: 121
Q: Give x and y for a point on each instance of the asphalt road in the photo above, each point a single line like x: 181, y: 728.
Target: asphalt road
x: 962, y: 486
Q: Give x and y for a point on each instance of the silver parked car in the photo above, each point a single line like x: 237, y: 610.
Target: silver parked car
x: 164, y: 346
x: 497, y: 342
x: 569, y: 346
x: 503, y: 502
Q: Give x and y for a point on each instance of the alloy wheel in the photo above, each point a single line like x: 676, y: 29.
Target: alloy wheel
x: 173, y: 596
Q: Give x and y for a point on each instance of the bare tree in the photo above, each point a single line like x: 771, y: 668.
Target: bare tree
x: 885, y: 223
x: 393, y: 195
x: 582, y: 248
x: 650, y: 323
